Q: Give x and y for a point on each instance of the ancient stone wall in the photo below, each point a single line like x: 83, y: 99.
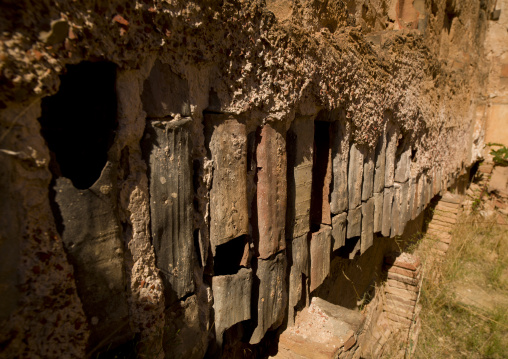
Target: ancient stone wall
x: 180, y: 178
x: 495, y: 106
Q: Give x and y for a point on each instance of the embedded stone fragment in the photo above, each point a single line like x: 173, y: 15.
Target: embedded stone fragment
x: 271, y: 192
x: 355, y: 176
x: 340, y: 137
x: 380, y: 162
x: 320, y: 251
x: 300, y: 141
x: 437, y: 181
x: 168, y: 149
x: 392, y: 135
x: 232, y: 300
x: 367, y: 225
x: 354, y: 222
x: 378, y: 211
x: 94, y: 245
x: 229, y: 216
x: 422, y: 189
x: 368, y: 176
x: 272, y: 298
x: 428, y: 190
x: 339, y: 230
x: 403, y: 166
x: 404, y: 206
x: 165, y: 93
x: 387, y: 212
x: 412, y: 199
x: 396, y: 210
x: 298, y: 277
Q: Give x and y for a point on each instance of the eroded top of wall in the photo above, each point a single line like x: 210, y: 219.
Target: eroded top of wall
x: 273, y: 58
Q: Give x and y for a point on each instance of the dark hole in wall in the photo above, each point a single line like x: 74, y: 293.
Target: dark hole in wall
x: 319, y: 168
x: 228, y: 256
x: 79, y: 121
x: 413, y: 154
x: 449, y: 15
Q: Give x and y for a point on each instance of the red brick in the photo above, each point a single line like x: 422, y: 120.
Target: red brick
x: 402, y: 285
x: 393, y: 298
x: 401, y: 293
x: 404, y: 272
x: 403, y: 279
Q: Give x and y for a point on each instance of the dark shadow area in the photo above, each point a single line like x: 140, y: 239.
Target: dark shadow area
x: 319, y: 171
x: 291, y: 148
x: 79, y: 122
x: 228, y: 256
x: 347, y: 250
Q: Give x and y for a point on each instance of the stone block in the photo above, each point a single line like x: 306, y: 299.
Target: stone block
x: 306, y: 339
x: 272, y: 295
x: 378, y: 211
x: 380, y: 162
x: 404, y: 206
x: 354, y: 222
x: 340, y: 143
x: 339, y: 230
x: 299, y: 272
x: 355, y: 176
x: 387, y: 212
x: 167, y: 148
x: 367, y: 238
x: 368, y: 176
x: 93, y: 241
x: 439, y: 180
x: 403, y: 166
x: 422, y: 188
x: 271, y: 192
x: 413, y: 199
x: 392, y: 135
x: 165, y: 93
x: 232, y: 300
x: 320, y: 251
x: 300, y: 142
x: 428, y: 192
x: 229, y: 215
x: 395, y: 230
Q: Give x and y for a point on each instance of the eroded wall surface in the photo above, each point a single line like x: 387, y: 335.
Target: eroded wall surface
x: 179, y: 178
x: 495, y: 110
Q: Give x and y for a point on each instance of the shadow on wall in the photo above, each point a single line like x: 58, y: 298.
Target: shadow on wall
x: 351, y: 282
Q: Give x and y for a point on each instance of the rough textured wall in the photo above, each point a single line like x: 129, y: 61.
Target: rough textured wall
x: 495, y: 109
x: 173, y: 169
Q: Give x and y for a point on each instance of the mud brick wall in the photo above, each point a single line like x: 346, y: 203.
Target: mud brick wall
x: 179, y: 178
